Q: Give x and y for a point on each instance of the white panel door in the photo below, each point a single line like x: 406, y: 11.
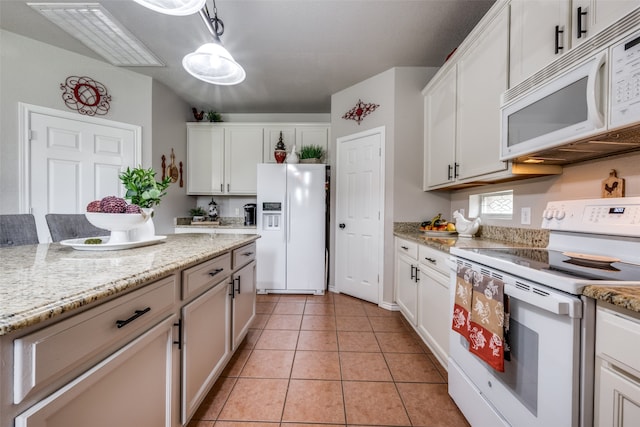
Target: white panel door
x: 243, y: 151
x: 358, y: 215
x: 205, y: 159
x: 73, y: 162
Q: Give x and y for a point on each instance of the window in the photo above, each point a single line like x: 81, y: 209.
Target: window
x: 497, y: 205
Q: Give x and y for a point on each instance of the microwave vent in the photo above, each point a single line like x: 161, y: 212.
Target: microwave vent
x: 607, y: 144
x: 584, y: 50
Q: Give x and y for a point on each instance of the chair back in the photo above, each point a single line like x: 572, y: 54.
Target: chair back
x: 72, y: 226
x: 18, y: 229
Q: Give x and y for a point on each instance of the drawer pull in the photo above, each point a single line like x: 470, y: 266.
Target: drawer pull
x: 238, y: 289
x: 216, y: 271
x: 405, y: 248
x: 179, y: 342
x: 247, y: 253
x: 431, y: 260
x: 137, y: 313
x: 413, y: 277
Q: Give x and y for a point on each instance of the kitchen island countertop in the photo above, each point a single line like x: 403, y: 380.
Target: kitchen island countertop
x: 39, y: 282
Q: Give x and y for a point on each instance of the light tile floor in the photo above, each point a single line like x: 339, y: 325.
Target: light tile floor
x: 329, y: 360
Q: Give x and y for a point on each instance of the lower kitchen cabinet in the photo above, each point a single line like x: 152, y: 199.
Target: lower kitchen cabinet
x: 130, y: 388
x: 206, y: 346
x: 244, y: 302
x: 617, y: 376
x: 422, y: 294
x: 407, y: 279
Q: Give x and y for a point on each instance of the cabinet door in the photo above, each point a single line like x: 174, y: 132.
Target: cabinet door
x: 597, y: 15
x: 407, y: 287
x: 440, y: 130
x: 132, y: 387
x: 434, y: 312
x: 244, y: 302
x: 205, y: 159
x: 482, y: 77
x: 533, y: 35
x: 313, y: 135
x: 205, y: 345
x: 243, y: 151
x: 271, y: 136
x: 618, y: 398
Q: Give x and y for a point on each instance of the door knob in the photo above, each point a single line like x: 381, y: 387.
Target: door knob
x: 342, y: 225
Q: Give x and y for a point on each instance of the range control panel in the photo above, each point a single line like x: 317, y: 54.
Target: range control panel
x: 615, y: 216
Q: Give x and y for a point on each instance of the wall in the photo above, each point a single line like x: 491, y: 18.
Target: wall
x: 397, y: 91
x: 169, y: 131
x: 579, y: 181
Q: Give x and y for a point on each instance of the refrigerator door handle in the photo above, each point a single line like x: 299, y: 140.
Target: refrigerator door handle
x: 288, y: 219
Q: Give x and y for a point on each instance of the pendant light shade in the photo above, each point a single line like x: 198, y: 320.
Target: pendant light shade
x: 173, y: 7
x: 212, y: 63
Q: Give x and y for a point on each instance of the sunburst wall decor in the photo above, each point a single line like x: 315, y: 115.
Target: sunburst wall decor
x: 360, y: 111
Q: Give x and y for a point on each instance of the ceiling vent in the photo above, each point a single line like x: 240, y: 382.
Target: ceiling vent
x: 91, y: 24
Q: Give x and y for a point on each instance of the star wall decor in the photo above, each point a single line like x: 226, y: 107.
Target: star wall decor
x: 360, y: 111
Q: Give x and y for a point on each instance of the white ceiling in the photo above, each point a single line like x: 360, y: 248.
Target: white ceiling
x: 296, y: 52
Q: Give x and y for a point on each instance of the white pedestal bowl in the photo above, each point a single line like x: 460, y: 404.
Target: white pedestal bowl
x: 118, y: 224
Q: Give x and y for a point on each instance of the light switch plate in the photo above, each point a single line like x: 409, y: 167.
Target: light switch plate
x: 525, y: 216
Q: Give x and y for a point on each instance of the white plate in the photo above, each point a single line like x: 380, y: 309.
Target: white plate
x: 79, y: 244
x: 438, y: 233
x: 600, y: 259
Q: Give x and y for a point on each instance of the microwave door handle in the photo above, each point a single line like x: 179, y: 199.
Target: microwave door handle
x: 595, y: 115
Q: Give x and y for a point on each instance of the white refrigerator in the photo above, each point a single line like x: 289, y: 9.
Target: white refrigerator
x: 291, y: 223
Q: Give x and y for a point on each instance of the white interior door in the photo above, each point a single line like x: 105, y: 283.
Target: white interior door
x: 74, y: 160
x: 359, y: 215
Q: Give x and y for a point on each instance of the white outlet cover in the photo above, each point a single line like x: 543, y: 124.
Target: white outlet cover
x: 525, y: 216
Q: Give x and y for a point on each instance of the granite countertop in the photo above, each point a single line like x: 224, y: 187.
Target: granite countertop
x: 42, y: 281
x: 223, y: 225
x: 627, y: 297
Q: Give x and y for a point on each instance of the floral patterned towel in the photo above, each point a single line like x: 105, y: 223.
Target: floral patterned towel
x: 481, y: 315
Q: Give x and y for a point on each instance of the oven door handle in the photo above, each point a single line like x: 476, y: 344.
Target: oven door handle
x: 553, y: 303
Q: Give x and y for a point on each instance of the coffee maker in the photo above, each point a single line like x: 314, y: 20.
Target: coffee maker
x: 250, y: 214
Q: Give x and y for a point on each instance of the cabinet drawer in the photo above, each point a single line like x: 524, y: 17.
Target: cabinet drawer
x: 244, y: 255
x: 618, y: 336
x: 433, y: 258
x: 196, y: 279
x: 407, y: 247
x: 55, y: 351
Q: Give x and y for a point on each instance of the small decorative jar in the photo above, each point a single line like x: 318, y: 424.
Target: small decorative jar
x: 280, y: 153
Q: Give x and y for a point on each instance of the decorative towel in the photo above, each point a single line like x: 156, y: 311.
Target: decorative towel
x: 481, y: 315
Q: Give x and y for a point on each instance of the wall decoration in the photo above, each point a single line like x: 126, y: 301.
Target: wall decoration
x: 85, y: 95
x: 181, y: 180
x: 198, y: 116
x: 172, y: 169
x: 613, y: 186
x: 360, y: 111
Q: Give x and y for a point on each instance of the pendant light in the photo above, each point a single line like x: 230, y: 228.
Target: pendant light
x: 173, y: 7
x: 211, y: 62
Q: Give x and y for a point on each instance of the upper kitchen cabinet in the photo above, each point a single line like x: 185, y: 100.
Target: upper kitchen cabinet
x: 300, y: 134
x: 591, y: 16
x: 223, y: 159
x: 462, y: 107
x: 540, y: 30
x: 440, y: 129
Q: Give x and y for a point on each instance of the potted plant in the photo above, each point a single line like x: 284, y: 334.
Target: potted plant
x: 311, y: 154
x: 197, y: 214
x: 143, y: 190
x: 213, y: 116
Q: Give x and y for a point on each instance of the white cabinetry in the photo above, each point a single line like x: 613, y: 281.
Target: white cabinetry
x: 115, y: 360
x: 540, y: 30
x: 422, y: 293
x: 298, y: 134
x: 434, y: 310
x: 243, y: 293
x: 222, y: 159
x: 471, y: 86
x: 591, y: 16
x: 617, y: 376
x: 407, y: 279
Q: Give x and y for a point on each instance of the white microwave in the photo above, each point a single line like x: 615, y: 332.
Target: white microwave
x: 568, y: 107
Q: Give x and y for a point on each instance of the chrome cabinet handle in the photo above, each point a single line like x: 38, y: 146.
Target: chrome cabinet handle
x: 137, y: 313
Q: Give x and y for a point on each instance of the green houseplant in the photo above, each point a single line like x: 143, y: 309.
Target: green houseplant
x: 311, y: 153
x: 142, y: 188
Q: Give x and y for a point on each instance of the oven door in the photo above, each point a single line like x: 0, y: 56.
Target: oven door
x: 540, y: 384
